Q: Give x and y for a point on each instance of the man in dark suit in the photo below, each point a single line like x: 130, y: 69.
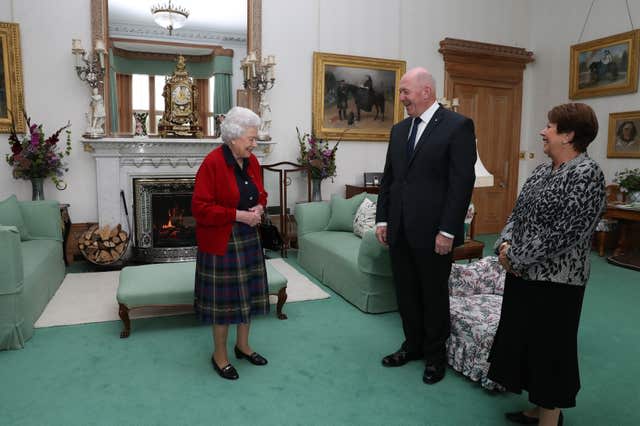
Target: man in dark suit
x: 424, y: 195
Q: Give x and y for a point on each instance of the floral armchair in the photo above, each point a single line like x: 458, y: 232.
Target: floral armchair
x: 475, y: 294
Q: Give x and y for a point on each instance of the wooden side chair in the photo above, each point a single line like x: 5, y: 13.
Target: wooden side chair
x: 286, y: 222
x: 471, y: 249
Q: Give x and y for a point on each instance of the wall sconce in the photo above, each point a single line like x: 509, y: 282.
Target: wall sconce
x: 259, y: 75
x: 483, y: 177
x: 90, y: 68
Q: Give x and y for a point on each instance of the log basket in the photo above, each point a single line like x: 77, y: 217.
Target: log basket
x: 103, y: 245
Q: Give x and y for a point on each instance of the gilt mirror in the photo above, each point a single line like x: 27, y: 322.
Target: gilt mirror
x: 142, y: 54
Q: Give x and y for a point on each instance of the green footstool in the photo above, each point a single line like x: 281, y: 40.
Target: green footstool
x: 171, y: 284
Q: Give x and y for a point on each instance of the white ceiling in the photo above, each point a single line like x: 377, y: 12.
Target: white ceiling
x: 220, y: 16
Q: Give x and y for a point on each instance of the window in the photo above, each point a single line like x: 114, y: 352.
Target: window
x: 146, y: 96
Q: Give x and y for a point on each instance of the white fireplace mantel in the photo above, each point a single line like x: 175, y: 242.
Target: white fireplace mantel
x: 120, y: 160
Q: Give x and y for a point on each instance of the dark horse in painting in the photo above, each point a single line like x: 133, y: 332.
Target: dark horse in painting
x: 366, y: 99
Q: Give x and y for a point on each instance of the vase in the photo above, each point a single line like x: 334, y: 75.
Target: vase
x: 141, y: 124
x: 37, y: 188
x: 316, y: 189
x: 633, y: 197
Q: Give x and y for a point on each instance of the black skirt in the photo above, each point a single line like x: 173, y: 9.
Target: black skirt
x: 535, y: 347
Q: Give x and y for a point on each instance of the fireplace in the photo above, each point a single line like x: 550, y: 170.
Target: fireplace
x: 165, y: 229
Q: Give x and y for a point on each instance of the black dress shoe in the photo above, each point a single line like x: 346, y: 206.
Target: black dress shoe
x: 227, y: 372
x: 255, y: 358
x: 521, y: 418
x: 433, y: 373
x: 399, y: 358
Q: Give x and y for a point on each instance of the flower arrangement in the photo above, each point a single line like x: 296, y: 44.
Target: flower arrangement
x: 316, y: 154
x: 33, y: 156
x: 628, y: 179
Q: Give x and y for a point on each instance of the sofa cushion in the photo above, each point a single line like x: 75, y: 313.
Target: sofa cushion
x: 10, y: 215
x: 365, y: 218
x: 343, y: 211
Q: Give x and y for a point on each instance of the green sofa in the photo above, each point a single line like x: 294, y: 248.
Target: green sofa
x: 357, y: 269
x: 31, y: 266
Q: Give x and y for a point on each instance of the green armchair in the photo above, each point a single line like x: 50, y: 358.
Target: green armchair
x: 31, y: 266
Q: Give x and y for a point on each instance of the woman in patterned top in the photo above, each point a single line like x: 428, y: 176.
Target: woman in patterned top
x: 545, y: 249
x: 228, y: 201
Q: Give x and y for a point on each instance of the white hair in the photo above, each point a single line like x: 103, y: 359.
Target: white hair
x: 236, y: 122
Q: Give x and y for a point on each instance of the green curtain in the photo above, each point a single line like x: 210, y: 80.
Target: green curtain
x: 223, y: 70
x: 113, y: 94
x: 221, y: 67
x: 153, y: 67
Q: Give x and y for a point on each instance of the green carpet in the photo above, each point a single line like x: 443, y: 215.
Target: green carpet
x: 324, y: 369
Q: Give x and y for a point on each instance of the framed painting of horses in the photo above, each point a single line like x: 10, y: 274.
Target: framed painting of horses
x: 11, y: 91
x: 354, y: 97
x: 604, y: 67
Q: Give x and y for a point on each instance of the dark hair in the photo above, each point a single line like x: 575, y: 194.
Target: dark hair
x: 634, y: 130
x: 578, y: 118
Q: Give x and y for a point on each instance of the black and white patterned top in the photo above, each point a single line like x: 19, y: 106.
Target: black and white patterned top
x: 551, y: 226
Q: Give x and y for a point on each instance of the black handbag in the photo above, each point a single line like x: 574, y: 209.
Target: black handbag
x: 269, y: 235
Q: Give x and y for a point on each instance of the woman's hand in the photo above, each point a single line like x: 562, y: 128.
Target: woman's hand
x: 504, y: 260
x: 251, y: 218
x: 257, y: 208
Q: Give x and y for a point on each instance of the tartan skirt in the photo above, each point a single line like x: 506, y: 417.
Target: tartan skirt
x: 231, y: 288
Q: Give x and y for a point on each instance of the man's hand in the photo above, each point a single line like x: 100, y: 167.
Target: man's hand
x: 381, y: 234
x: 443, y: 244
x: 251, y: 218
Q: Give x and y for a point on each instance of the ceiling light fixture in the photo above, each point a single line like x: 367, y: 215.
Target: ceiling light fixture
x: 170, y: 16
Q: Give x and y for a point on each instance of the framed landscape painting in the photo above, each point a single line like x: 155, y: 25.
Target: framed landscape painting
x: 603, y: 67
x: 624, y: 135
x: 354, y: 97
x: 11, y: 89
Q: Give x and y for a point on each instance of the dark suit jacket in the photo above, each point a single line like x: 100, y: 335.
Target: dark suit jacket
x: 430, y: 192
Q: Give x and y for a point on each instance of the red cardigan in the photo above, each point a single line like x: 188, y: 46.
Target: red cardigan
x: 215, y: 198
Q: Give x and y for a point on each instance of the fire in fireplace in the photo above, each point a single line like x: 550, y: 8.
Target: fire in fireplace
x: 173, y: 224
x: 165, y: 230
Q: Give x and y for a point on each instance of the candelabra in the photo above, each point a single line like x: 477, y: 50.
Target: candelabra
x: 259, y: 76
x: 90, y: 68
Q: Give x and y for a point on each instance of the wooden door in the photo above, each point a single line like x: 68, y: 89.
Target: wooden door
x: 487, y: 80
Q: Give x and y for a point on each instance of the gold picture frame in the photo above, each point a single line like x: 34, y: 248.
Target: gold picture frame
x: 11, y: 88
x: 345, y: 87
x: 624, y: 135
x: 604, y: 67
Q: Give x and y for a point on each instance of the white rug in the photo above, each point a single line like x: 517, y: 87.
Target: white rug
x: 91, y: 297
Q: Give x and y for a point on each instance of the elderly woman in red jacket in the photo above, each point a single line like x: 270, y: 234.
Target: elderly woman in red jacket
x: 231, y: 279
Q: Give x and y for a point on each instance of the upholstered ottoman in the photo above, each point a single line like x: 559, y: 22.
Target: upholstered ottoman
x: 475, y: 297
x: 171, y: 284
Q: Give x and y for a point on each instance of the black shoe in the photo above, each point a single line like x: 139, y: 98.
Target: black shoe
x: 433, y: 373
x: 521, y: 418
x: 399, y: 358
x: 255, y: 358
x: 227, y: 372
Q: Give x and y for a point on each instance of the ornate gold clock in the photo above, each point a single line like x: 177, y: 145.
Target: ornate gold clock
x: 180, y: 118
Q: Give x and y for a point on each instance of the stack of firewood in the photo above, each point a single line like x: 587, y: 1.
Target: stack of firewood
x: 103, y: 245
